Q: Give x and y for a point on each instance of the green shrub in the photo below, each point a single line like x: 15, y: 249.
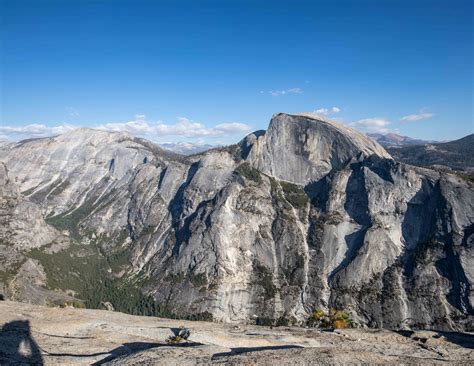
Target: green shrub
x: 333, y: 218
x: 199, y: 280
x: 288, y: 196
x: 175, y: 278
x: 294, y: 194
x: 75, y: 304
x: 282, y: 322
x: 264, y: 321
x: 60, y: 188
x: 248, y: 172
x: 337, y: 319
x: 84, y: 269
x: 264, y: 278
x: 204, y: 316
x: 318, y: 314
x: 71, y: 220
x: 174, y: 339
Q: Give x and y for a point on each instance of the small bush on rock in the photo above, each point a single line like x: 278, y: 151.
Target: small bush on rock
x: 337, y: 319
x: 249, y: 172
x: 263, y: 321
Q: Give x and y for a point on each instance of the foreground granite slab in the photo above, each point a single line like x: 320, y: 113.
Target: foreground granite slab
x: 32, y: 334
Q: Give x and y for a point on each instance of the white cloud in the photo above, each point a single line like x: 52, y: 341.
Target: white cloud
x: 328, y: 111
x: 232, y: 127
x: 139, y: 127
x: 322, y: 111
x: 372, y: 125
x: 277, y: 93
x: 135, y: 127
x: 184, y: 127
x: 73, y: 112
x: 35, y: 130
x: 422, y: 114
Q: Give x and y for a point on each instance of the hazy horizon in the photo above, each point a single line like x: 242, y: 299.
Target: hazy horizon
x: 38, y: 131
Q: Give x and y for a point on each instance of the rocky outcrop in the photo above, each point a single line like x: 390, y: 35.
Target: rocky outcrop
x: 22, y: 229
x: 308, y: 214
x: 21, y: 221
x: 304, y: 147
x: 403, y: 251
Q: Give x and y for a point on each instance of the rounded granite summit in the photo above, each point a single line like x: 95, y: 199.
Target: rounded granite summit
x: 304, y: 147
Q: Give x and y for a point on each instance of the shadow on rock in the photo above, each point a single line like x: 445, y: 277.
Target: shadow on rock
x: 130, y: 348
x: 465, y: 340
x: 17, y: 346
x: 241, y: 350
x: 461, y: 339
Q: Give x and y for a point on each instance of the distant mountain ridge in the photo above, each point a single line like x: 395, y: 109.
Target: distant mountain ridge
x: 393, y: 139
x: 186, y: 148
x: 457, y: 154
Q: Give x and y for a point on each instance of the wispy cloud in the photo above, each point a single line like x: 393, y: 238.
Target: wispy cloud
x: 277, y: 93
x: 328, y: 111
x: 379, y: 125
x: 72, y: 112
x: 35, y: 130
x: 422, y: 114
x: 232, y: 127
x: 139, y: 126
x: 184, y: 127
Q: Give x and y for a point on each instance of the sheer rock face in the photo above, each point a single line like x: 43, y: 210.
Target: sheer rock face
x: 21, y: 221
x: 22, y: 229
x: 226, y: 232
x: 302, y: 148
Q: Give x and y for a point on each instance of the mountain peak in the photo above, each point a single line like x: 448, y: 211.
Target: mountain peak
x: 96, y: 134
x: 303, y: 147
x: 393, y: 139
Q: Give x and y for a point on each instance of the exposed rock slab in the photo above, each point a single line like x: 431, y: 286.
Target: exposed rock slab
x: 35, y: 334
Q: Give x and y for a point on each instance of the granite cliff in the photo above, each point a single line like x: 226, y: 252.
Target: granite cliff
x: 308, y: 214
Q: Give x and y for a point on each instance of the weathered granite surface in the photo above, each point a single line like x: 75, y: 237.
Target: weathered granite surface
x: 309, y: 214
x: 39, y: 335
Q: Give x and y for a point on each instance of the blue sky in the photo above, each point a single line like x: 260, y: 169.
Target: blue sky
x: 213, y: 70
